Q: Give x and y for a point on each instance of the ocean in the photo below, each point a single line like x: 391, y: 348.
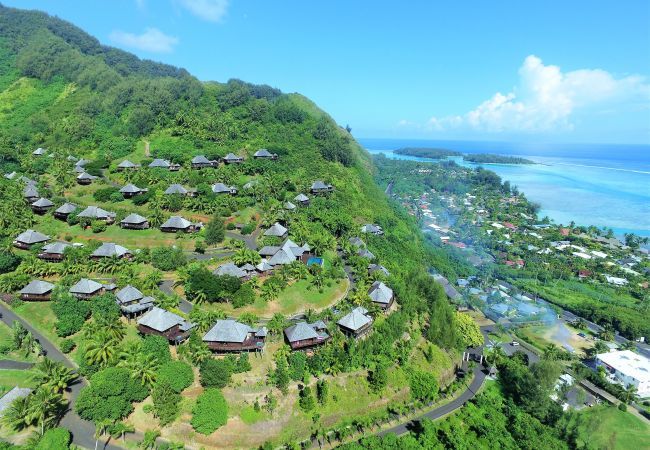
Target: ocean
x: 595, y: 184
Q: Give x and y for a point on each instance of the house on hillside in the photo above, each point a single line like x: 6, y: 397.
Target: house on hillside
x: 289, y: 206
x: 54, y: 252
x: 627, y: 369
x: 127, y: 165
x: 263, y: 267
x: 134, y: 222
x: 86, y: 288
x: 63, y: 211
x: 39, y: 152
x: 132, y: 302
x: 164, y: 164
x: 265, y: 154
x: 370, y: 228
x: 131, y: 190
x: 97, y: 213
x: 27, y: 239
x: 41, y: 206
x: 277, y: 230
x: 231, y: 158
x: 201, y: 162
x: 231, y: 336
x: 301, y: 199
x: 356, y: 242
x: 356, y: 323
x: 30, y: 193
x: 381, y: 294
x: 220, y: 188
x: 320, y: 187
x: 179, y: 190
x: 365, y: 253
x: 111, y: 250
x: 303, y: 335
x: 372, y: 268
x: 37, y: 290
x: 177, y: 223
x: 287, y: 253
x: 84, y: 178
x: 160, y: 322
x: 232, y: 270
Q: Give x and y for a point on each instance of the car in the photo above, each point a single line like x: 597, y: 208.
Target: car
x: 514, y: 344
x: 582, y: 335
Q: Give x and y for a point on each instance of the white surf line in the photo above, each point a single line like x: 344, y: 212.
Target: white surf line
x: 599, y: 167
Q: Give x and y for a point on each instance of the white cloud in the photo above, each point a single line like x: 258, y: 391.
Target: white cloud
x: 152, y: 40
x: 546, y: 99
x: 210, y: 10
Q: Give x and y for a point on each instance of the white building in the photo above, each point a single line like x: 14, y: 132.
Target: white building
x: 627, y: 368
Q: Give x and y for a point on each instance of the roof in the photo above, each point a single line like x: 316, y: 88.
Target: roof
x: 276, y: 230
x: 176, y: 189
x: 220, y: 187
x: 228, y: 330
x: 85, y: 176
x: 130, y: 189
x: 263, y: 153
x: 380, y: 293
x: 85, y: 286
x: 372, y: 268
x: 230, y: 269
x: 56, y: 248
x: 37, y: 287
x: 39, y: 151
x: 355, y: 319
x: 232, y: 156
x: 301, y: 198
x: 128, y: 294
x: 300, y: 332
x: 134, y: 218
x: 126, y: 164
x: 161, y: 320
x: 31, y: 237
x: 263, y: 265
x: 290, y: 206
x: 201, y: 159
x: 176, y: 222
x: 11, y: 396
x: 318, y: 184
x: 629, y: 363
x: 109, y: 249
x: 66, y: 208
x: 30, y: 191
x: 159, y: 163
x: 365, y: 253
x: 95, y: 212
x: 357, y: 242
x: 42, y: 203
x: 371, y: 228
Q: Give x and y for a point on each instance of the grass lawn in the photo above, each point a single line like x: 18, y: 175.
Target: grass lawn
x: 11, y: 378
x: 16, y: 355
x: 565, y: 337
x: 294, y: 299
x: 607, y: 427
x: 40, y: 316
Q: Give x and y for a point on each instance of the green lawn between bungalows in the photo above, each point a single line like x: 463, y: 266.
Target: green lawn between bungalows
x: 606, y: 427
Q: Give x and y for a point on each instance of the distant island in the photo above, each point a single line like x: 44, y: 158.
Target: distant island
x: 487, y: 158
x: 423, y: 152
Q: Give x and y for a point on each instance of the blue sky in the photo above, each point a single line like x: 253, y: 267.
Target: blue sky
x: 563, y: 71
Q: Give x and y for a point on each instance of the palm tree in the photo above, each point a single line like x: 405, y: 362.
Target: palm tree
x: 141, y: 367
x: 101, y: 428
x: 101, y: 350
x: 17, y: 416
x: 630, y: 394
x: 551, y: 352
x: 46, y: 407
x: 53, y: 375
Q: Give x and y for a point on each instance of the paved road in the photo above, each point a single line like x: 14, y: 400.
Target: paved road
x: 8, y: 364
x: 250, y: 240
x: 167, y: 286
x: 83, y: 431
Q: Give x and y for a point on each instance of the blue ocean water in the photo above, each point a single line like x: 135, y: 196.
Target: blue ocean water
x: 601, y: 185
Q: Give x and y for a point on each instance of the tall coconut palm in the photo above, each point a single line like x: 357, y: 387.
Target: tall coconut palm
x: 119, y: 429
x: 141, y: 367
x: 53, y: 375
x: 102, y: 350
x: 17, y: 416
x: 46, y: 408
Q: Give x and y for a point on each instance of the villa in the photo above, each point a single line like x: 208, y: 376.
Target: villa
x: 126, y: 165
x: 356, y: 323
x: 111, y: 250
x: 177, y: 223
x: 231, y: 158
x: 220, y: 188
x: 628, y: 369
x: 305, y: 335
x: 41, y: 206
x: 85, y: 178
x: 201, y: 162
x: 97, y: 213
x: 30, y: 193
x: 134, y: 222
x: 131, y: 190
x: 63, y: 211
x: 86, y: 288
x: 37, y: 290
x: 232, y: 270
x: 27, y: 239
x: 179, y: 190
x: 301, y: 199
x: 265, y: 154
x: 285, y: 254
x: 131, y: 301
x: 381, y: 294
x: 54, y: 252
x: 370, y: 228
x: 231, y: 336
x: 160, y: 322
x: 319, y: 187
x: 277, y: 230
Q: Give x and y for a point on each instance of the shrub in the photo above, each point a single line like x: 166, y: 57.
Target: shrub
x: 248, y: 228
x: 105, y: 306
x: 54, y: 439
x: 230, y: 226
x: 245, y: 295
x: 165, y: 402
x: 8, y: 262
x: 424, y: 386
x: 67, y: 345
x: 104, y: 194
x: 70, y: 313
x: 98, y: 226
x: 178, y: 374
x: 210, y: 412
x: 306, y: 401
x: 622, y: 406
x: 168, y: 258
x: 158, y: 347
x: 214, y: 373
x: 214, y: 230
x: 141, y: 199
